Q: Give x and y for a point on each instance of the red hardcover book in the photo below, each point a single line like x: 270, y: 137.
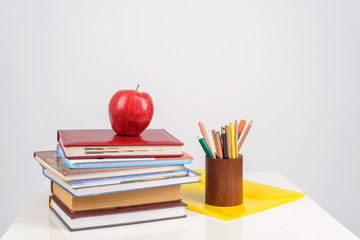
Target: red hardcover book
x: 105, y: 143
x: 115, y: 217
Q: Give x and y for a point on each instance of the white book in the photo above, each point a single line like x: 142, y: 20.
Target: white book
x: 126, y: 179
x: 116, y: 217
x: 191, y: 177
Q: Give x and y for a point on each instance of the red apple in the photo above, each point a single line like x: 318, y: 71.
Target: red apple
x: 130, y: 112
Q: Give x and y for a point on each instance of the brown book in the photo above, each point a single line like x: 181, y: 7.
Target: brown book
x: 119, y: 199
x: 118, y: 216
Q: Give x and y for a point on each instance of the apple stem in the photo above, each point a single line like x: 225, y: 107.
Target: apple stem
x: 137, y: 87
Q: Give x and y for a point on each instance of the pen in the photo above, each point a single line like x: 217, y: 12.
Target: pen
x: 205, y: 146
x: 224, y: 144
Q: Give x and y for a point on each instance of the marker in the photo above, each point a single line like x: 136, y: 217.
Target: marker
x: 241, y: 127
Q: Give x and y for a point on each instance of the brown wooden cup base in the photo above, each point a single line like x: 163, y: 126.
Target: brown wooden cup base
x: 224, y: 181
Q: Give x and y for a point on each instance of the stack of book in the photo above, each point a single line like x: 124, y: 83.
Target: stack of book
x: 100, y: 179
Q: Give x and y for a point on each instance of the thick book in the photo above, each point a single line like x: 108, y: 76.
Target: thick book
x: 123, y: 162
x: 105, y: 143
x: 122, y: 187
x: 55, y: 164
x: 116, y: 217
x: 115, y: 200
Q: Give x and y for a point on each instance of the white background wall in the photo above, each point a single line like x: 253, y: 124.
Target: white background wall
x: 292, y: 66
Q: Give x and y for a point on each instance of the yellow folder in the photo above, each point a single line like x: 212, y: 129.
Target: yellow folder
x: 257, y: 197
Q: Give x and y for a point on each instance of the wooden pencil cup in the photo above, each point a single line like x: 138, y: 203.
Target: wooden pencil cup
x: 224, y: 181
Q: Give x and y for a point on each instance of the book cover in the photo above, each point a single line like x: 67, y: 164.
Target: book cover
x: 115, y: 217
x: 116, y: 200
x: 51, y: 158
x: 54, y: 163
x: 127, y: 179
x: 84, y: 143
x: 122, y: 187
x: 124, y: 162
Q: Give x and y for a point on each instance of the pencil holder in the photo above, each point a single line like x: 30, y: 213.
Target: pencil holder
x: 224, y: 181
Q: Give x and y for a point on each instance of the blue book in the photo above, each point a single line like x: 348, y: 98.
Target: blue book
x: 123, y: 162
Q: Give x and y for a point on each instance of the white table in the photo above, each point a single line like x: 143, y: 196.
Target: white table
x: 302, y: 219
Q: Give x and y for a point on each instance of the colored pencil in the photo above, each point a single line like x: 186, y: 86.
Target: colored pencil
x: 203, y: 132
x: 231, y: 126
x: 216, y: 147
x: 245, y: 134
x: 218, y: 143
x: 236, y: 135
x: 221, y: 140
